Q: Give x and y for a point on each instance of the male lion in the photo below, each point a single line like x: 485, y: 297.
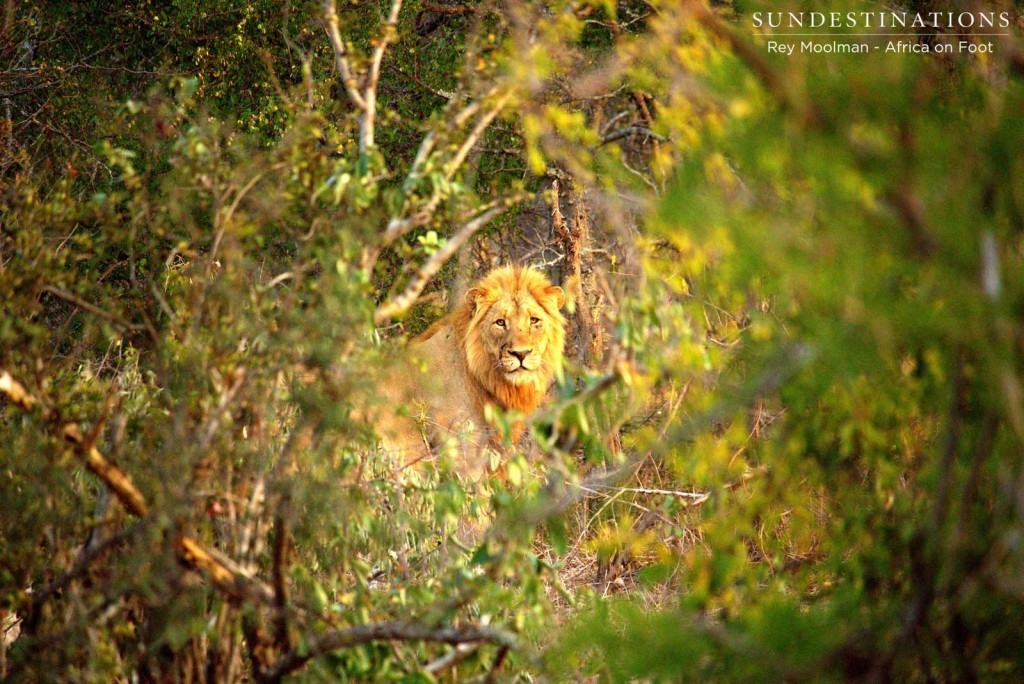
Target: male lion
x: 500, y: 348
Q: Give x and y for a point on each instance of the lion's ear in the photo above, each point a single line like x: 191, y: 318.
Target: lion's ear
x: 557, y: 294
x: 476, y: 295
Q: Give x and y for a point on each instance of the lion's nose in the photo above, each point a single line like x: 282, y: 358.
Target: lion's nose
x: 521, y: 355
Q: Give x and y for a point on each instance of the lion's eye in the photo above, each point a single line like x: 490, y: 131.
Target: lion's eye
x: 534, y: 321
x: 500, y: 322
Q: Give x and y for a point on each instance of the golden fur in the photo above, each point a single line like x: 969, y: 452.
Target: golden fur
x: 501, y: 347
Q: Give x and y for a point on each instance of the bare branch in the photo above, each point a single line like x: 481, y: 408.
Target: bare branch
x: 362, y: 92
x: 370, y: 92
x: 226, y: 574
x: 111, y: 475
x: 221, y: 221
x: 400, y: 304
x: 392, y: 630
x: 632, y: 130
x: 474, y: 136
x: 449, y: 660
x: 430, y: 139
x: 341, y: 60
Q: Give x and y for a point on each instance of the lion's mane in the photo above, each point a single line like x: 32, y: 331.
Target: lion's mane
x: 501, y: 347
x: 486, y: 383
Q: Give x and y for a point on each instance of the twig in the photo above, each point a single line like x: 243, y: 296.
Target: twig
x: 415, y: 216
x: 430, y: 140
x: 612, y: 498
x: 448, y: 660
x: 446, y: 96
x: 399, y: 226
x: 632, y: 130
x: 478, y: 130
x: 303, y: 56
x: 222, y: 221
x: 38, y: 598
x: 560, y: 494
x: 697, y: 496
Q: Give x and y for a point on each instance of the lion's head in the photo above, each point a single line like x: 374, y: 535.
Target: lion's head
x: 513, y: 334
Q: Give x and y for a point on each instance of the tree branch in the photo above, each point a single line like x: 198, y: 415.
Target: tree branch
x: 225, y: 574
x: 370, y: 92
x: 98, y: 465
x: 427, y: 146
x: 397, y: 227
x: 404, y: 223
x: 16, y: 392
x: 630, y: 131
x: 341, y: 60
x: 806, y: 111
x: 392, y: 630
x: 474, y: 136
x: 362, y: 92
x: 400, y: 304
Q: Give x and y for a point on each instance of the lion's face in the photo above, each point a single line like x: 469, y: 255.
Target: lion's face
x: 517, y: 334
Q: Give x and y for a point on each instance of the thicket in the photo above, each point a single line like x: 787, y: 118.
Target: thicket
x: 787, y: 444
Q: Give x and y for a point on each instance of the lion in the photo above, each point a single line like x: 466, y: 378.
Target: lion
x: 499, y: 349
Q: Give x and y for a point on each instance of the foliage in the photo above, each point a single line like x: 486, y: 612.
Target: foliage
x: 790, y: 447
